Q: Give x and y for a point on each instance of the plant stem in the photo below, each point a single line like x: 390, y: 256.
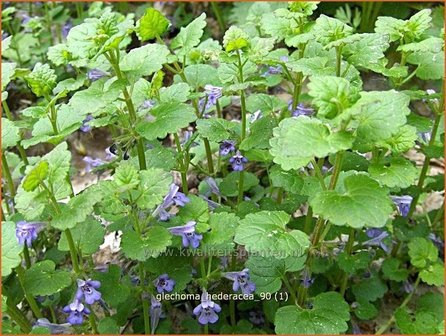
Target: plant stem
x: 53, y: 314
x: 220, y: 19
x: 403, y: 304
x: 7, y: 174
x: 290, y: 288
x: 145, y: 303
x: 232, y: 313
x: 425, y: 167
x: 92, y: 320
x: 318, y: 172
x: 73, y: 253
x: 240, y: 187
x: 348, y: 250
x: 18, y: 317
x: 31, y: 301
x: 183, y: 171
x: 26, y: 256
x: 209, y: 160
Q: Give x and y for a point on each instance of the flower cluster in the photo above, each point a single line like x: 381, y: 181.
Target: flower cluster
x: 207, y: 310
x: 237, y: 160
x: 188, y: 234
x: 87, y: 292
x: 173, y: 197
x: 241, y: 281
x: 26, y: 232
x: 212, y: 94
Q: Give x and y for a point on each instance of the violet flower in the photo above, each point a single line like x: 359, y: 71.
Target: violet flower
x: 213, y: 93
x: 273, y: 70
x: 91, y: 163
x: 77, y: 311
x: 26, y: 232
x: 408, y: 287
x: 238, y: 162
x: 164, y: 284
x: 403, y: 204
x: 53, y: 327
x: 173, y: 197
x: 85, y: 126
x: 377, y: 239
x: 207, y: 310
x: 226, y: 147
x: 256, y: 317
x: 87, y: 290
x: 212, y: 185
x: 155, y: 313
x: 95, y: 74
x: 306, y: 280
x: 188, y: 234
x: 241, y: 281
x: 66, y: 28
x: 147, y: 104
x: 300, y: 109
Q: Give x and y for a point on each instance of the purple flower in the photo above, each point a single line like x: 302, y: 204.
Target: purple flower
x: 95, y: 74
x: 85, y: 127
x: 87, y: 290
x: 241, y: 281
x: 91, y: 163
x: 377, y: 236
x: 207, y: 310
x: 226, y: 147
x: 256, y: 317
x: 306, y: 280
x: 164, y: 284
x: 212, y: 185
x: 155, y: 313
x: 212, y: 205
x: 53, y: 327
x: 77, y: 311
x: 408, y: 287
x: 403, y: 204
x: 213, y: 93
x: 27, y: 232
x: 172, y: 197
x: 147, y: 104
x: 238, y: 161
x: 300, y: 109
x: 25, y: 19
x: 66, y: 28
x: 188, y: 234
x: 273, y: 70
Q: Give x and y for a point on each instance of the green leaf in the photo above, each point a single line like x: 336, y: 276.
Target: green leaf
x: 154, y: 242
x: 222, y: 231
x: 265, y: 232
x: 69, y: 85
x: 392, y: 271
x: 8, y: 72
x: 399, y: 172
x: 260, y: 132
x: 353, y: 263
x: 267, y: 272
x: 367, y: 50
x: 97, y: 97
x: 10, y: 133
x: 297, y: 141
x: 189, y: 36
x: 380, y: 114
x: 361, y: 202
x: 178, y: 93
x: 168, y: 118
x: 265, y: 103
x: 366, y: 310
x: 328, y: 30
x: 328, y: 316
x: 235, y: 39
x: 42, y: 279
x: 36, y: 176
x: 370, y: 289
x: 126, y: 176
x: 88, y: 235
x: 229, y: 184
x: 401, y: 141
x: 331, y: 95
x: 10, y: 249
x: 288, y: 180
x: 145, y: 60
x: 112, y: 290
x: 108, y: 325
x: 217, y: 129
x: 151, y: 25
x: 198, y: 75
x: 430, y: 64
x: 77, y: 209
x: 422, y: 252
x: 197, y: 210
x: 433, y: 275
x: 154, y: 184
x: 41, y: 80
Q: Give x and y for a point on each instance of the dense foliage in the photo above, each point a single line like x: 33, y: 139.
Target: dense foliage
x: 248, y: 168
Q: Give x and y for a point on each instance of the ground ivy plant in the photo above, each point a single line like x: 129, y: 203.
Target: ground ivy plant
x: 251, y: 168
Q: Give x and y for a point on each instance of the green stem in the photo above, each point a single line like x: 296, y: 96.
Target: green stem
x: 7, y: 174
x: 290, y: 288
x: 26, y: 255
x: 318, y: 172
x: 183, y: 171
x: 18, y: 317
x: 425, y: 167
x: 240, y: 187
x: 403, y: 304
x: 218, y: 107
x: 92, y: 320
x: 348, y: 250
x: 336, y: 171
x: 438, y: 217
x: 53, y: 314
x: 308, y: 220
x: 209, y: 160
x: 232, y: 313
x: 145, y: 302
x: 73, y: 253
x: 31, y: 301
x: 53, y: 114
x: 220, y: 19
